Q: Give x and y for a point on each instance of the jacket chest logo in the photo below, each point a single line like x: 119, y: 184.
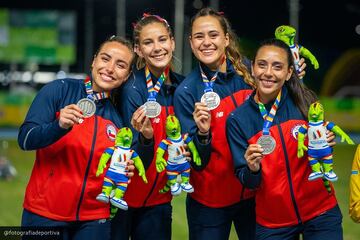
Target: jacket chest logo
x: 111, y: 132
x: 295, y: 131
x: 156, y: 120
x: 219, y: 115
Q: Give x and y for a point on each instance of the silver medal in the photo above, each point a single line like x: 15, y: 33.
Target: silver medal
x: 87, y: 107
x: 152, y: 109
x: 268, y: 143
x: 211, y: 99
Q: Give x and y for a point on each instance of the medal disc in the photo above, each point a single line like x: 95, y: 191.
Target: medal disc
x: 268, y: 143
x: 211, y: 99
x: 87, y: 107
x: 152, y: 109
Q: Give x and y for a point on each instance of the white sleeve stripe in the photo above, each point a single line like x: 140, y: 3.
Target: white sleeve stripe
x: 26, y: 137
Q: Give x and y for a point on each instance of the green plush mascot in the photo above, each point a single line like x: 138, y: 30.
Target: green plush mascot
x: 115, y: 177
x: 319, y: 152
x: 177, y: 163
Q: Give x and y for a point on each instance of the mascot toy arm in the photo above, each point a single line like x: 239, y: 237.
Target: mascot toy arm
x: 287, y: 35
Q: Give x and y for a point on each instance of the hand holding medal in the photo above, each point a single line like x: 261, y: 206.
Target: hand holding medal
x: 253, y: 156
x: 141, y: 123
x: 202, y: 117
x: 69, y: 116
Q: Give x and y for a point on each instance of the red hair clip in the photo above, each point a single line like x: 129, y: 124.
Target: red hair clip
x: 145, y: 15
x: 220, y: 13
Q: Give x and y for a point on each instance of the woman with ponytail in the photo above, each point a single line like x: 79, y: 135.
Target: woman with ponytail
x: 146, y: 100
x: 219, y: 83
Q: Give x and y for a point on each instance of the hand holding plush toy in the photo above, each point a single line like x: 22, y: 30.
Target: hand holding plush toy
x: 287, y: 35
x: 115, y: 176
x: 319, y: 153
x: 177, y: 163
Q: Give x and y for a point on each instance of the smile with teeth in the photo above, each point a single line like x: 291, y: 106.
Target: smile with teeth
x: 106, y: 77
x: 268, y: 81
x: 207, y: 51
x: 157, y: 57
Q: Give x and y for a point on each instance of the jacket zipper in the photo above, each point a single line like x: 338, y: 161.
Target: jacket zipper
x: 87, y: 170
x: 157, y: 174
x: 288, y: 173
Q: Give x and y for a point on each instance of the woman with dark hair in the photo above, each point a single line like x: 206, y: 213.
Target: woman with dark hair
x: 219, y: 83
x: 262, y: 135
x: 69, y: 124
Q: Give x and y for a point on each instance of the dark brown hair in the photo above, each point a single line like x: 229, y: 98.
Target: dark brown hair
x: 121, y: 40
x: 301, y: 95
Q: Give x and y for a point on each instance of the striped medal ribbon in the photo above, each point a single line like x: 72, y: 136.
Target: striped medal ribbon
x: 266, y: 141
x: 87, y: 105
x: 152, y: 107
x: 210, y: 98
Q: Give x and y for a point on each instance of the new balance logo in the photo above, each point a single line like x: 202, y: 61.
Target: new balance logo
x: 219, y: 114
x: 156, y: 120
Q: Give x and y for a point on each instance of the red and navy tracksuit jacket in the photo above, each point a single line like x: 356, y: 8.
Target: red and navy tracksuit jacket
x: 63, y: 185
x: 134, y: 94
x: 214, y: 183
x: 284, y: 196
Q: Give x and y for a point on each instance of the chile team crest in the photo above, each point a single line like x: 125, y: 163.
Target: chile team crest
x: 111, y: 132
x: 295, y: 131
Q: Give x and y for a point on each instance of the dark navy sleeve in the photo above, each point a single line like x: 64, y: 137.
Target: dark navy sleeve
x: 238, y: 145
x: 41, y: 126
x: 184, y: 104
x: 131, y: 98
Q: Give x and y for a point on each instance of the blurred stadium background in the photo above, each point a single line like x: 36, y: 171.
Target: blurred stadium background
x: 44, y: 40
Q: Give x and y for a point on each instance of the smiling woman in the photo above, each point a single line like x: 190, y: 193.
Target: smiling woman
x: 68, y: 143
x: 110, y: 67
x: 147, y: 99
x: 287, y: 204
x: 203, y: 101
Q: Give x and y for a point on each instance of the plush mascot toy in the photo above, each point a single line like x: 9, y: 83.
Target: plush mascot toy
x: 177, y: 163
x: 287, y: 35
x: 115, y: 177
x: 319, y: 152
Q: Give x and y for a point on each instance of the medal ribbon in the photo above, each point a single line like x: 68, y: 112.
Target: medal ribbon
x: 210, y: 83
x: 90, y: 93
x: 269, y: 117
x: 153, y: 90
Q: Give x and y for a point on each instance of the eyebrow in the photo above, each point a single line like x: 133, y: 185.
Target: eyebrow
x: 273, y: 63
x: 119, y: 60
x: 147, y: 39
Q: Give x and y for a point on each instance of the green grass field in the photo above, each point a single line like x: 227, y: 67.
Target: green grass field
x: 12, y: 193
